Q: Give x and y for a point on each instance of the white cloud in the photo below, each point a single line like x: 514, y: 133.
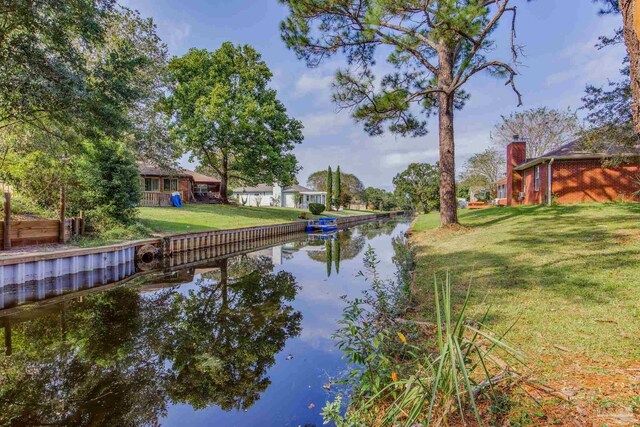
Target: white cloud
x: 584, y: 63
x: 402, y: 160
x: 312, y: 82
x: 324, y: 124
x: 174, y: 33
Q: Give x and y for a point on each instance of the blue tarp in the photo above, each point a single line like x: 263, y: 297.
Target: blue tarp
x: 177, y: 202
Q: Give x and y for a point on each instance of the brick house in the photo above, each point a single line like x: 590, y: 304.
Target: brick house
x: 157, y: 185
x: 569, y: 174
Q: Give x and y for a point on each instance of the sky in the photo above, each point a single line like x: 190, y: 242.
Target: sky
x: 558, y: 37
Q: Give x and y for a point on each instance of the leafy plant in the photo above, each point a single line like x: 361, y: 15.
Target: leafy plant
x: 316, y: 208
x: 399, y: 380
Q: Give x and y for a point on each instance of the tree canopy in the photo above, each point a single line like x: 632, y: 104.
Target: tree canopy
x: 484, y: 169
x: 610, y: 108
x: 418, y: 187
x: 351, y: 187
x: 434, y: 48
x: 92, y: 67
x: 226, y: 116
x: 544, y: 129
x: 81, y: 83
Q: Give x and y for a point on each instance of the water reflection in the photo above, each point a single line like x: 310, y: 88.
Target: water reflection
x: 226, y: 337
x: 118, y: 357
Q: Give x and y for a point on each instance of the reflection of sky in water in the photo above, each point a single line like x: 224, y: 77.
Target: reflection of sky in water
x: 297, y: 383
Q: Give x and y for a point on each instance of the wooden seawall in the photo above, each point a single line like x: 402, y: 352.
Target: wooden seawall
x: 21, y: 269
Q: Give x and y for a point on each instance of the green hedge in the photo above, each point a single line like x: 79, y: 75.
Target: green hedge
x: 316, y: 208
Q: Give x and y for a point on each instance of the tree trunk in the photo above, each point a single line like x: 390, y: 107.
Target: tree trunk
x: 448, y: 200
x: 224, y: 179
x: 632, y: 42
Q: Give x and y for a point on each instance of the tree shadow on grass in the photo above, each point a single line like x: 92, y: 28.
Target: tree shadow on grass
x: 561, y: 263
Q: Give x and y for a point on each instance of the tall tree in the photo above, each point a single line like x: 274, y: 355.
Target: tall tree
x: 329, y: 188
x: 337, y: 192
x: 485, y: 169
x: 436, y: 47
x: 543, y: 128
x: 44, y: 72
x: 351, y: 186
x: 417, y: 186
x: 610, y: 108
x: 630, y: 21
x: 228, y: 118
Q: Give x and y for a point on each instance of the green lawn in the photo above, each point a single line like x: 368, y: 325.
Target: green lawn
x: 569, y: 276
x: 196, y: 217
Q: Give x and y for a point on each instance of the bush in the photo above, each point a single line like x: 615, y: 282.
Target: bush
x: 316, y: 208
x: 21, y: 205
x: 109, y: 175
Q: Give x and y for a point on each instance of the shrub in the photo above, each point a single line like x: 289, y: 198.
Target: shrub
x: 109, y: 175
x: 316, y: 208
x: 400, y: 379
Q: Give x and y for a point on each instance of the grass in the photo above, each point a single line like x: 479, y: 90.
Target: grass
x: 568, y: 275
x: 196, y: 217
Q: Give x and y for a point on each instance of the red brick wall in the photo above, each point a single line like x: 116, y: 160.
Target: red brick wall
x: 576, y: 181
x: 532, y: 196
x: 184, y: 186
x: 516, y: 155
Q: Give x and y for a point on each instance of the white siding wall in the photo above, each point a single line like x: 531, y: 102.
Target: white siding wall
x: 289, y: 200
x: 265, y: 198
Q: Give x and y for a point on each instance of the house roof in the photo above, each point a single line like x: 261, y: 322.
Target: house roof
x: 260, y: 188
x: 200, y: 178
x: 576, y: 150
x: 501, y: 181
x: 296, y: 188
x: 153, y: 170
x: 264, y: 188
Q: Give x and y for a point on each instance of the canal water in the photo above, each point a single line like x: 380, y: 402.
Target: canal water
x: 244, y: 340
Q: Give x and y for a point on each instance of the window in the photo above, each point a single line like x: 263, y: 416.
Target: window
x: 536, y: 178
x: 151, y: 184
x: 170, y: 185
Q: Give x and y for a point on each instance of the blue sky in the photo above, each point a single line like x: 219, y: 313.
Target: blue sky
x: 558, y: 37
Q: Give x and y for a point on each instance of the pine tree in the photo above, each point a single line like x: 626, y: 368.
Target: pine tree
x: 338, y: 189
x: 433, y: 49
x: 329, y: 188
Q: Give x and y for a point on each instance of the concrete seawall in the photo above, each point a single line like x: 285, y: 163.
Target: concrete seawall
x: 144, y: 254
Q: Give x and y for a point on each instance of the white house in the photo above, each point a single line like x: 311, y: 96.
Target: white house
x: 295, y: 196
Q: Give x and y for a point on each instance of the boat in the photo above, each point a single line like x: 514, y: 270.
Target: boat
x: 322, y: 224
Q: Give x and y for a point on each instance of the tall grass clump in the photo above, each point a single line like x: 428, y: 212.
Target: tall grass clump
x: 414, y: 373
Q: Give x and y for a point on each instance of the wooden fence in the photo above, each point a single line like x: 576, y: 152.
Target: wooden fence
x: 28, y: 233
x: 155, y: 198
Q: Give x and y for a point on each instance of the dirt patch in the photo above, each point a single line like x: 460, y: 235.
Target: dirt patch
x: 602, y: 392
x: 628, y: 236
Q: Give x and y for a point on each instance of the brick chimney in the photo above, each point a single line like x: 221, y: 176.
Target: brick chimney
x: 516, y: 155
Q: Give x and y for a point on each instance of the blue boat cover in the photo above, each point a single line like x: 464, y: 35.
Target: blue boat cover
x: 177, y: 202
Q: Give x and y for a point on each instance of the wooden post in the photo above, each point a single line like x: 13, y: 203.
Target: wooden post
x: 63, y: 206
x: 82, y: 228
x: 8, y: 348
x: 6, y: 234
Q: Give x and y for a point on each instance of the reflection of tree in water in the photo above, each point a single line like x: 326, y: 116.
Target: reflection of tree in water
x: 377, y: 228
x: 102, y: 360
x: 226, y: 334
x: 60, y: 372
x: 347, y: 245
